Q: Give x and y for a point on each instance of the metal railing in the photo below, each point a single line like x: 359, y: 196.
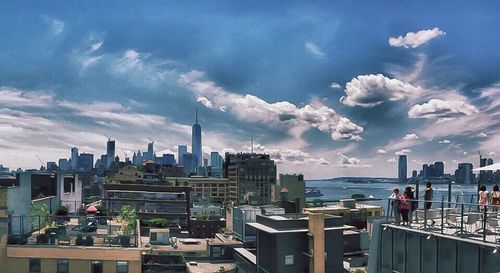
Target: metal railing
x: 70, y: 230
x: 465, y: 220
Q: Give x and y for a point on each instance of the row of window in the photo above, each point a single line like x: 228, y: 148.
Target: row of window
x: 63, y: 266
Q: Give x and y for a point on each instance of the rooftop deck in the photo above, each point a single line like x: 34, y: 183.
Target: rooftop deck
x: 98, y: 231
x: 462, y: 220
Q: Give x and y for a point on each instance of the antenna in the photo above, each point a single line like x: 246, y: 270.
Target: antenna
x: 251, y: 145
x: 196, y: 114
x: 107, y: 136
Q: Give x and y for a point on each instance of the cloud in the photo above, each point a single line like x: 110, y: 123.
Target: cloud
x: 381, y: 151
x: 283, y: 113
x: 444, y: 141
x: 335, y: 85
x: 482, y: 134
x: 206, y: 102
x: 403, y: 152
x: 12, y: 97
x: 283, y: 156
x: 350, y: 162
x: 437, y: 108
x: 372, y: 90
x: 415, y: 40
x: 57, y: 26
x: 465, y: 153
x: 410, y: 137
x: 492, y: 153
x: 314, y: 49
x: 391, y: 160
x: 96, y: 46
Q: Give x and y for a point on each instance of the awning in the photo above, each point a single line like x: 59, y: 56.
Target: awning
x: 91, y: 209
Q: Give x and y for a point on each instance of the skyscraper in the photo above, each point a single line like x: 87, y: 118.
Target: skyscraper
x: 182, y: 150
x: 85, y: 162
x: 110, y: 152
x: 196, y: 143
x: 402, y: 169
x: 438, y: 169
x: 74, y: 158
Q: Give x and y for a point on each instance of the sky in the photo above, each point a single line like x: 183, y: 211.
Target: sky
x: 328, y: 88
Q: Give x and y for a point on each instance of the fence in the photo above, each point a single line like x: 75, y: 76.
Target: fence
x: 465, y: 220
x: 71, y: 230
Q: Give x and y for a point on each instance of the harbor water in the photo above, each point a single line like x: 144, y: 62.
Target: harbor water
x: 336, y: 189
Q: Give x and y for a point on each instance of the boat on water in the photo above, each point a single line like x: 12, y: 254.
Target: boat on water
x: 313, y: 192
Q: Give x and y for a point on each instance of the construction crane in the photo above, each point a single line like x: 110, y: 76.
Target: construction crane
x: 150, y: 139
x: 39, y: 159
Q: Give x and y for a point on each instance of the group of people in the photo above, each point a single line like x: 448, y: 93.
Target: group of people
x: 486, y: 198
x: 403, y: 205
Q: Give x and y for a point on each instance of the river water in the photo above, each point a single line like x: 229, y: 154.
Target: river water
x: 341, y: 188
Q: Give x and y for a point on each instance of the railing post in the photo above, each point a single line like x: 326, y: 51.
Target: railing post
x: 462, y: 220
x: 442, y: 217
x: 485, y: 214
x: 425, y: 215
x: 389, y: 210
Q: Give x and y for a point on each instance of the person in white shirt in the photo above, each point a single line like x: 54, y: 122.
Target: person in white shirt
x: 395, y: 198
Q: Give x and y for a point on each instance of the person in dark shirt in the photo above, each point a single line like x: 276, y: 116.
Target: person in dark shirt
x: 428, y: 194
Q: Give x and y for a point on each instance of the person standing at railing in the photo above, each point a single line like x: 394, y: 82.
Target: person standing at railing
x: 495, y: 197
x: 413, y: 202
x: 395, y: 198
x: 428, y: 195
x: 484, y: 198
x: 405, y: 206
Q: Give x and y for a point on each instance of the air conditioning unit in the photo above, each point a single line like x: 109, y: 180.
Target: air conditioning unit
x: 159, y: 236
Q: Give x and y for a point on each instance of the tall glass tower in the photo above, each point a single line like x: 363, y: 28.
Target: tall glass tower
x: 110, y: 152
x: 402, y: 169
x: 196, y: 144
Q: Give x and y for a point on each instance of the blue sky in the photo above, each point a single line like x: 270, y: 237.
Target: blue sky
x: 328, y: 88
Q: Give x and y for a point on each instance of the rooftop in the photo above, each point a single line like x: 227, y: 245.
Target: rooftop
x: 207, y: 266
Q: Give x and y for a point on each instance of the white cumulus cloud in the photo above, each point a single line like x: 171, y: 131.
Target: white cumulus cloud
x: 372, y: 90
x: 444, y: 141
x: 335, y: 85
x: 437, y: 108
x: 410, y: 137
x: 206, y: 102
x: 314, y: 49
x: 381, y: 151
x: 415, y: 40
x: 403, y: 152
x: 391, y: 160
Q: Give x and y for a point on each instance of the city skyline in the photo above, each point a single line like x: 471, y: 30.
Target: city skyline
x: 324, y: 94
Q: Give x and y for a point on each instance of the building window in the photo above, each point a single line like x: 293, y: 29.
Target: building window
x: 289, y: 260
x: 96, y: 267
x: 62, y: 266
x: 35, y: 266
x: 121, y: 267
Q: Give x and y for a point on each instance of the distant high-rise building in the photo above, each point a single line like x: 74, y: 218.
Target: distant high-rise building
x: 188, y: 165
x: 74, y: 158
x: 168, y: 160
x: 85, y: 162
x: 51, y: 166
x: 63, y: 164
x: 182, y: 150
x: 110, y: 152
x: 216, y: 164
x: 414, y: 176
x: 438, y: 169
x: 464, y: 175
x: 251, y: 177
x: 402, y: 169
x: 196, y: 143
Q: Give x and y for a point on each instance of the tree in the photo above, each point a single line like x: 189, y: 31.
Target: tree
x: 129, y: 220
x: 40, y: 215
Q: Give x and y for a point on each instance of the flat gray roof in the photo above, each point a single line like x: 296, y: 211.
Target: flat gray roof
x: 247, y: 254
x: 272, y: 230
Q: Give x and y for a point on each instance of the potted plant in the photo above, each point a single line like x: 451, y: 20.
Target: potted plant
x: 61, y: 214
x: 129, y: 221
x: 102, y: 215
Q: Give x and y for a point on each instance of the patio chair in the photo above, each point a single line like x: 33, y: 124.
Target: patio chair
x: 471, y: 221
x: 451, y: 221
